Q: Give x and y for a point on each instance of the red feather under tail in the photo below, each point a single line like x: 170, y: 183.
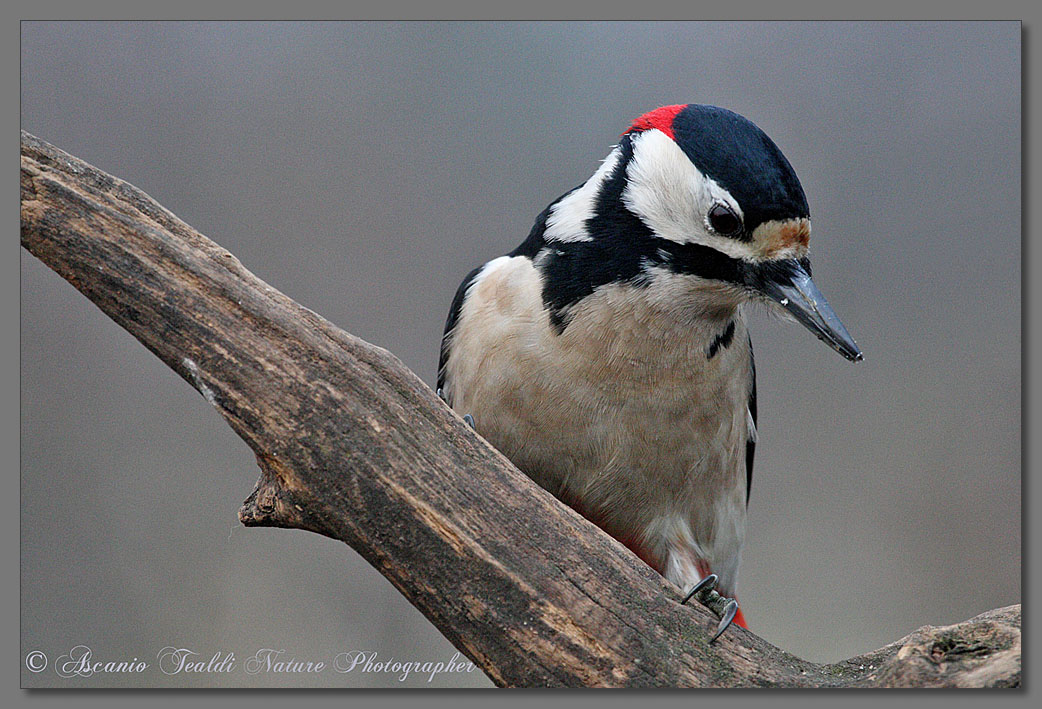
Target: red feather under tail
x: 740, y: 619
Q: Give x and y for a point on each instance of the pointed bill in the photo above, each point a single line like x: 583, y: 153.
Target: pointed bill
x: 797, y: 293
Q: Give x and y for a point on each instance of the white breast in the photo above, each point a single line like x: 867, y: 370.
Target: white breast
x: 623, y: 415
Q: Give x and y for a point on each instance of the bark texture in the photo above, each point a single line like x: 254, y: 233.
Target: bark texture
x: 352, y: 445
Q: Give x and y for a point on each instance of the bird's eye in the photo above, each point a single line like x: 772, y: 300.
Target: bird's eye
x: 724, y: 221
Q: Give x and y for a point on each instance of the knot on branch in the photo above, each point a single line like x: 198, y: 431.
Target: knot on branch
x: 981, y: 652
x: 274, y: 502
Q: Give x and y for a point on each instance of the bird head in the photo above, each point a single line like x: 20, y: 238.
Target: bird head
x: 697, y: 197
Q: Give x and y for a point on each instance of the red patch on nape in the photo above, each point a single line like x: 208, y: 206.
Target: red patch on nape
x: 661, y: 118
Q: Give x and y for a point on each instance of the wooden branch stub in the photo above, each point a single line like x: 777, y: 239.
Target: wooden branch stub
x: 982, y: 652
x: 276, y: 501
x: 352, y: 445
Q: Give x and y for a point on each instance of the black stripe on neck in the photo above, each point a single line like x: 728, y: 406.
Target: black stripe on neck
x: 721, y: 341
x: 620, y: 244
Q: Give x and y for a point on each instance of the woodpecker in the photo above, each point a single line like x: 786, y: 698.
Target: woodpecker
x: 608, y: 357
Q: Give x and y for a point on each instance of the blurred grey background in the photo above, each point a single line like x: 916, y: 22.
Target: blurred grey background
x: 363, y: 169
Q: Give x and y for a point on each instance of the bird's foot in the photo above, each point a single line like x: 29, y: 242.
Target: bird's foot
x: 724, y: 608
x: 466, y: 417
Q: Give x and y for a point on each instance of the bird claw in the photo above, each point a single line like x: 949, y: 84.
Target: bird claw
x: 730, y: 611
x: 466, y: 417
x: 705, y: 591
x: 707, y: 584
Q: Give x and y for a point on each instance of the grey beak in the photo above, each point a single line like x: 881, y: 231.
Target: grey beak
x: 796, y: 292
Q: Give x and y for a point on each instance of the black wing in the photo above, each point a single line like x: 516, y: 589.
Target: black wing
x: 450, y: 324
x: 750, y: 443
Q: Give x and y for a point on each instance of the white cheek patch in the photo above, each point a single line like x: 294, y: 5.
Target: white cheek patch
x: 567, y: 219
x: 672, y: 196
x: 664, y: 188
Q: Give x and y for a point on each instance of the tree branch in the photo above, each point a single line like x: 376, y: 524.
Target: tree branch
x: 352, y: 445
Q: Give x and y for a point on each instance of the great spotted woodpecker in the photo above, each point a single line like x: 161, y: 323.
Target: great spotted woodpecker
x: 608, y: 357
